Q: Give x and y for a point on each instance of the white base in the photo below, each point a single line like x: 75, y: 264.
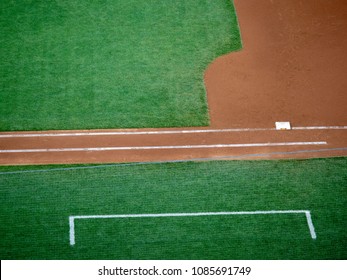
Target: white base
x: 283, y: 126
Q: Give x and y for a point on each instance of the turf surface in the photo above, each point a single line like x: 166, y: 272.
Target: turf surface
x: 109, y: 64
x: 36, y: 202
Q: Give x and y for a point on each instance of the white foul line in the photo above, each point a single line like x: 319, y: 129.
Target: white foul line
x: 198, y: 214
x: 159, y: 132
x: 318, y: 127
x: 99, y: 149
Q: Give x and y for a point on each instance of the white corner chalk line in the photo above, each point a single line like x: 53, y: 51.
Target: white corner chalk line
x: 198, y: 214
x: 159, y: 132
x: 100, y: 149
x: 72, y: 230
x: 310, y: 224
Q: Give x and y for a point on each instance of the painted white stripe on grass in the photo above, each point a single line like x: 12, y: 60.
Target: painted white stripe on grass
x: 101, y: 149
x: 159, y: 132
x: 72, y: 230
x: 198, y: 214
x: 310, y: 225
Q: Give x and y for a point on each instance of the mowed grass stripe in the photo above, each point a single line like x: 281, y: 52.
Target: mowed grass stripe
x: 109, y: 64
x: 35, y: 210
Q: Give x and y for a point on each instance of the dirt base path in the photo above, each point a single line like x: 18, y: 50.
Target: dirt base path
x: 292, y: 68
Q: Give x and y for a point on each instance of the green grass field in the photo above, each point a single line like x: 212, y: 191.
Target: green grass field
x: 109, y: 64
x: 36, y: 202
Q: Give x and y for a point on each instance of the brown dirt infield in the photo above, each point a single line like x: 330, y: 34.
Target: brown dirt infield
x: 292, y: 68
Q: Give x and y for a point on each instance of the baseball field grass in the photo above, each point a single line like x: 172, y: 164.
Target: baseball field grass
x: 37, y: 201
x: 109, y: 64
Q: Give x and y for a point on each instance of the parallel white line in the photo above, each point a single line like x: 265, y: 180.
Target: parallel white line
x: 319, y: 127
x: 188, y: 214
x: 159, y: 132
x: 99, y: 149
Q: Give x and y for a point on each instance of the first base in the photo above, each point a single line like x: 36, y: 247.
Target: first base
x: 283, y: 126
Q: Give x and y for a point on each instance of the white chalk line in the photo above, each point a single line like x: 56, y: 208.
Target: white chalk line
x: 197, y: 214
x: 100, y: 149
x: 310, y: 224
x: 160, y: 132
x: 319, y: 127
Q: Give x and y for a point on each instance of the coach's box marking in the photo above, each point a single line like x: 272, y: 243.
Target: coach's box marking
x: 306, y: 212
